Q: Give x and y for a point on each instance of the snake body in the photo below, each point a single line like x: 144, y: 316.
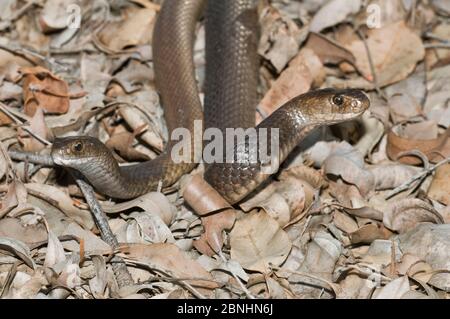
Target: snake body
x: 230, y: 100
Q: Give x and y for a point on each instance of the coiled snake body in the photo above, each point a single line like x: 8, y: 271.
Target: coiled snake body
x: 230, y: 100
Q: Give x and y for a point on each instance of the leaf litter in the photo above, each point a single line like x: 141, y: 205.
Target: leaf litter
x: 359, y: 210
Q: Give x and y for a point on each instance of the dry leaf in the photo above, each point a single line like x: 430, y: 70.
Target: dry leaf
x: 391, y: 175
x: 153, y: 202
x: 62, y: 201
x: 257, y: 241
x: 303, y: 70
x: 283, y: 200
x: 434, y: 149
x: 122, y: 143
x: 38, y: 127
x: 43, y: 89
x: 136, y: 29
x: 430, y: 243
x: 405, y: 214
x: 169, y: 258
x: 403, y: 106
x: 205, y: 200
x: 55, y: 15
x: 332, y: 13
x: 98, y: 283
x: 440, y: 186
x: 279, y: 39
x: 55, y: 251
x: 328, y: 50
x: 369, y: 233
x: 30, y: 234
x: 348, y: 163
x: 395, y: 50
x: 17, y: 248
x: 393, y: 290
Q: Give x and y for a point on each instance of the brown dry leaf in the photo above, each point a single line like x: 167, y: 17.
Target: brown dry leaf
x: 150, y: 228
x: 393, y: 290
x: 365, y: 212
x: 257, y: 241
x: 369, y: 233
x: 322, y: 253
x: 13, y: 228
x: 135, y: 29
x: 434, y: 149
x: 328, y: 50
x: 17, y: 248
x: 280, y: 37
x: 302, y: 71
x: 430, y: 243
x: 407, y: 213
x: 283, y: 201
x: 152, y: 136
x: 16, y: 196
x: 344, y: 222
x: 439, y: 55
x: 97, y: 284
x: 4, y: 119
x: 438, y: 93
x: 332, y: 13
x: 205, y: 200
x: 57, y: 198
x: 442, y: 5
x: 43, y: 89
x: 395, y: 51
x: 55, y: 15
x: 403, y: 106
x: 412, y: 266
x: 38, y: 127
x: 55, y: 251
x: 5, y: 165
x: 92, y: 243
x: 440, y: 186
x: 389, y: 176
x: 169, y: 258
x: 122, y: 143
x: 25, y: 286
x: 154, y: 203
x: 348, y: 163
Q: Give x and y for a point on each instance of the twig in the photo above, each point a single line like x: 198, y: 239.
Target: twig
x: 41, y: 159
x: 436, y: 45
x: 119, y: 267
x: 5, y: 109
x: 372, y: 67
x: 404, y: 186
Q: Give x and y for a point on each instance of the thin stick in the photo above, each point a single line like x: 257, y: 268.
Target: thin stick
x: 41, y: 159
x: 5, y: 109
x: 404, y: 186
x: 119, y: 267
x: 372, y: 66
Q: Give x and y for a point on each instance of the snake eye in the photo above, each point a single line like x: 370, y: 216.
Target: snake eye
x: 77, y: 147
x: 338, y: 100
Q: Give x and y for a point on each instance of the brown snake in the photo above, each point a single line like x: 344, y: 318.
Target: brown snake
x: 230, y: 100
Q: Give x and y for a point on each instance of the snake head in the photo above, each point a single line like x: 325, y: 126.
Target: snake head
x: 79, y: 151
x: 333, y: 106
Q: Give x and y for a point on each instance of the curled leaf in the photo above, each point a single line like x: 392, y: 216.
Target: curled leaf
x: 257, y: 241
x: 405, y: 214
x: 434, y: 149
